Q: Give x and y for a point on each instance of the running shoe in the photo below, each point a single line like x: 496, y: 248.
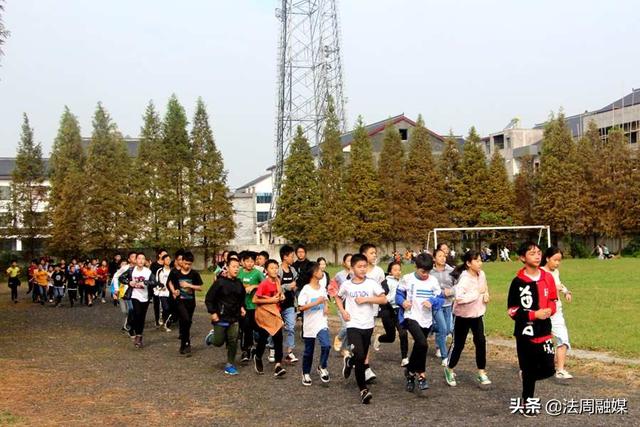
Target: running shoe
x: 422, y: 383
x: 365, y: 396
x: 272, y: 356
x: 444, y: 362
x: 245, y: 356
x: 324, y: 375
x: 562, y: 374
x: 187, y: 350
x: 257, y: 365
x: 369, y: 376
x: 229, y: 369
x: 346, y: 367
x: 279, y: 371
x: 483, y: 379
x: 404, y: 362
x: 166, y: 328
x: 208, y: 340
x: 306, y: 379
x: 411, y: 382
x: 438, y: 354
x: 337, y: 343
x: 450, y: 377
x: 291, y: 358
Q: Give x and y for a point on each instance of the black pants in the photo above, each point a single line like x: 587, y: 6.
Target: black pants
x: 160, y: 302
x: 139, y: 315
x: 185, y: 309
x: 389, y: 317
x: 100, y: 288
x: 248, y: 325
x: 359, y: 340
x: 263, y: 336
x: 13, y: 285
x: 82, y: 294
x: 536, y: 362
x: 172, y: 310
x: 461, y: 327
x: 418, y: 358
x: 73, y: 295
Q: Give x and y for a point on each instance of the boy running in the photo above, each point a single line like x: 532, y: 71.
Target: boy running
x: 250, y: 278
x: 357, y: 301
x: 59, y: 279
x: 225, y: 302
x: 13, y: 273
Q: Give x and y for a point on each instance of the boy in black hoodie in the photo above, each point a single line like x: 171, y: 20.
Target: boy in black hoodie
x: 531, y: 303
x: 225, y: 302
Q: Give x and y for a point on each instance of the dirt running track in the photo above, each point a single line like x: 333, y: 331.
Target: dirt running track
x: 72, y: 367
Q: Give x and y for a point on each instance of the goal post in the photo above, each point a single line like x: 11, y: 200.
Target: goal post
x: 541, y: 228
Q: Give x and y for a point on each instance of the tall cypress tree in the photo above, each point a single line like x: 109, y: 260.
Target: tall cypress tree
x: 177, y: 163
x: 394, y: 191
x: 473, y: 176
x: 27, y: 189
x: 66, y: 205
x: 500, y: 206
x: 524, y: 185
x: 363, y: 190
x: 110, y: 209
x: 450, y: 176
x: 297, y: 215
x: 333, y: 229
x: 212, y: 214
x: 146, y: 175
x: 425, y: 202
x: 588, y: 154
x: 557, y: 195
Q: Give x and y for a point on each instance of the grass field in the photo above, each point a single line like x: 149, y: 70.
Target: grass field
x: 604, y: 314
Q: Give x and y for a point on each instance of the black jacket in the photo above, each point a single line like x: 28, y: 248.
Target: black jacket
x: 225, y: 298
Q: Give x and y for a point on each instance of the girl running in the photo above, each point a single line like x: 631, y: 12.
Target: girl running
x: 550, y: 263
x: 443, y: 317
x: 472, y: 296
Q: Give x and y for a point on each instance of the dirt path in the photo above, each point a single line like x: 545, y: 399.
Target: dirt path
x: 72, y: 367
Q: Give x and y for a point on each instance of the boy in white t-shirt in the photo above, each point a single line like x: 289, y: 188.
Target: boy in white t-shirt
x: 312, y: 302
x: 418, y: 294
x: 357, y: 301
x: 375, y: 273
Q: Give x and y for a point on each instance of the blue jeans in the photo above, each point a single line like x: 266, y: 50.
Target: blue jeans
x: 289, y: 317
x: 309, y: 345
x: 58, y: 292
x: 443, y: 322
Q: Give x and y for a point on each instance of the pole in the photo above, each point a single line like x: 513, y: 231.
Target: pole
x: 435, y: 240
x: 548, y: 236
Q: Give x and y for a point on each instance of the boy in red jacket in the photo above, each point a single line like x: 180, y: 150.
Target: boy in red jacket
x: 531, y: 302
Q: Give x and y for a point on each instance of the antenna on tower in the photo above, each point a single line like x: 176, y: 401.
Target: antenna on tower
x: 309, y: 71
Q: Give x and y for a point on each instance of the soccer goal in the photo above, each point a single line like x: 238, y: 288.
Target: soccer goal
x: 541, y: 229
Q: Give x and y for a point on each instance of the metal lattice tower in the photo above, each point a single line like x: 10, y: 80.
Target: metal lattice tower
x: 309, y: 71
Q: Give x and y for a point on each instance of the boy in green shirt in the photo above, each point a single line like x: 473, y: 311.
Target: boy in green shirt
x: 250, y: 278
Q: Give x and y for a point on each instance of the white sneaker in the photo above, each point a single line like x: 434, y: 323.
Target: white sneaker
x: 324, y: 374
x: 272, y: 356
x: 369, y: 375
x: 563, y: 375
x: 306, y: 379
x: 444, y: 362
x: 404, y: 362
x: 291, y: 358
x: 376, y: 342
x: 438, y: 354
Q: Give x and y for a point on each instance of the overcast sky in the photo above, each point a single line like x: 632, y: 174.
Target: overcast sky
x: 459, y: 63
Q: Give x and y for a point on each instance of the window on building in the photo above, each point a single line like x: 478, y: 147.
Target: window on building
x: 508, y: 142
x: 263, y: 197
x: 5, y: 193
x: 498, y: 142
x: 633, y: 137
x: 404, y: 134
x: 262, y: 216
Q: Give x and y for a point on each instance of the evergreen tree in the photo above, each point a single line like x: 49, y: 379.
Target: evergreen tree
x: 425, y: 204
x: 557, y: 194
x: 297, y: 215
x: 363, y: 191
x: 589, y: 151
x: 450, y: 174
x: 473, y: 177
x: 27, y: 190
x: 66, y: 205
x: 109, y: 208
x: 212, y: 214
x: 394, y: 190
x: 524, y: 185
x: 174, y: 176
x: 333, y: 229
x: 500, y: 205
x: 146, y: 177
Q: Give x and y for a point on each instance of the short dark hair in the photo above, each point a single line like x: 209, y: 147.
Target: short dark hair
x: 391, y: 264
x: 231, y: 254
x: 301, y: 246
x: 526, y: 247
x: 357, y: 258
x: 188, y: 256
x: 269, y: 262
x: 247, y: 255
x: 165, y: 256
x: 132, y: 253
x: 264, y: 254
x: 285, y: 251
x: 424, y: 261
x: 233, y: 260
x: 345, y: 256
x: 365, y: 247
x: 159, y: 251
x: 321, y: 259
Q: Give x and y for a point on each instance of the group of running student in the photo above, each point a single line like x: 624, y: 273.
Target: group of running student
x: 255, y: 301
x: 49, y: 281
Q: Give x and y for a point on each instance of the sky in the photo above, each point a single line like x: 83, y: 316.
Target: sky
x: 458, y: 63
